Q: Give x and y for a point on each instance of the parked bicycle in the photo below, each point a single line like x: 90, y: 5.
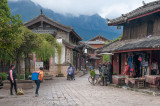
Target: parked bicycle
x: 93, y: 80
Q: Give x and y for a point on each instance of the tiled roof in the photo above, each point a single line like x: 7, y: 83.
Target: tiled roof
x: 145, y: 43
x: 94, y: 42
x: 98, y: 36
x: 52, y: 22
x: 72, y: 46
x: 87, y: 45
x: 146, y: 8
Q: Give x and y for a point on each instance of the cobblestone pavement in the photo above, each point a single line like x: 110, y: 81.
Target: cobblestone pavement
x: 60, y: 92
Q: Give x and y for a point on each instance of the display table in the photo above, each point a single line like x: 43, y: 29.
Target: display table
x: 152, y: 79
x: 118, y: 80
x: 135, y: 82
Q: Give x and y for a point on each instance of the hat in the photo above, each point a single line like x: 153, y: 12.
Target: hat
x: 41, y: 68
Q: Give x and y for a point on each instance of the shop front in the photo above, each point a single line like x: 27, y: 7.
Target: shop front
x: 143, y: 66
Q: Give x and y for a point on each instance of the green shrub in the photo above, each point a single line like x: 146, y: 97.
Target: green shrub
x: 27, y: 75
x: 20, y: 77
x: 114, y: 73
x: 3, y: 76
x: 106, y: 58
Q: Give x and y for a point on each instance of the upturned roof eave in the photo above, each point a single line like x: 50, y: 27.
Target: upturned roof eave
x: 142, y: 11
x: 58, y: 25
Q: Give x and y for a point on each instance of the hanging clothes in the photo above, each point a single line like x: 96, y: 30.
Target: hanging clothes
x: 130, y: 61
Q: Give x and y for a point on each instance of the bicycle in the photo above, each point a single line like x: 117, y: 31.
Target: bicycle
x: 94, y: 80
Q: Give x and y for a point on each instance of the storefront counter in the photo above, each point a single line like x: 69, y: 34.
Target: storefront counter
x: 152, y: 79
x: 135, y: 82
x: 118, y: 80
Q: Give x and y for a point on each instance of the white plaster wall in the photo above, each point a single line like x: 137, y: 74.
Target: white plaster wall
x: 62, y: 55
x: 63, y: 35
x: 22, y: 66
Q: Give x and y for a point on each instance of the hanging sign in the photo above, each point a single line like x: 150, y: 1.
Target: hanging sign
x: 38, y: 64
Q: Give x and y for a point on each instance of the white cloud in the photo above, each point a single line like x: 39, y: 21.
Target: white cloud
x: 105, y: 8
x: 13, y: 0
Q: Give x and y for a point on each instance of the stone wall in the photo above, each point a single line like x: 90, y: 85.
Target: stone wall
x: 63, y: 70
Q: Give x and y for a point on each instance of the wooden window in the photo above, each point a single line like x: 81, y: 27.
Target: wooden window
x: 150, y: 28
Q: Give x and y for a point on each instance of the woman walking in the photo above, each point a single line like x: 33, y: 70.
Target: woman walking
x: 70, y: 72
x: 12, y: 78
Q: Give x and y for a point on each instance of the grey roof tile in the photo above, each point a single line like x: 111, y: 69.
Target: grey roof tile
x: 149, y: 7
x: 145, y: 43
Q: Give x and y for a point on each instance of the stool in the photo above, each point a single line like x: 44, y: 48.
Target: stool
x: 121, y: 82
x: 140, y: 84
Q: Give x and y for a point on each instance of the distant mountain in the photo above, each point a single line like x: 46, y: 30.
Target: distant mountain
x: 86, y: 26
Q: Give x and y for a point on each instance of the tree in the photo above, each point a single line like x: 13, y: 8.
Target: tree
x: 106, y: 58
x: 9, y: 27
x: 29, y: 43
x: 119, y: 38
x: 9, y: 31
x: 48, y: 49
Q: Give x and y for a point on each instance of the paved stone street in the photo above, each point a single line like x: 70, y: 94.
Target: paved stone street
x: 60, y: 92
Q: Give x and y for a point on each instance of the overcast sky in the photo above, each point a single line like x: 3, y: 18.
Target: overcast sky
x: 105, y: 8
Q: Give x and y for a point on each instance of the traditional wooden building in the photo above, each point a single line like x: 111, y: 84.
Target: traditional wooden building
x: 94, y: 44
x: 140, y: 43
x: 97, y: 42
x: 64, y: 35
x: 89, y: 52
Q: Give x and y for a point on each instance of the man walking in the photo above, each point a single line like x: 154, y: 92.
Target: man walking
x: 104, y: 74
x: 100, y: 67
x: 110, y: 70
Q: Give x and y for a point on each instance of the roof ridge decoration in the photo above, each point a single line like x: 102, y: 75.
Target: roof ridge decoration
x: 41, y: 12
x: 98, y: 36
x: 146, y: 8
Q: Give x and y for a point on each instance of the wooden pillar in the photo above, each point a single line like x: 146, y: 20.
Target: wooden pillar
x: 143, y: 65
x: 150, y: 62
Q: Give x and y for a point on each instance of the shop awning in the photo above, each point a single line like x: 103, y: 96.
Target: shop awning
x: 152, y: 43
x: 94, y: 58
x: 106, y: 53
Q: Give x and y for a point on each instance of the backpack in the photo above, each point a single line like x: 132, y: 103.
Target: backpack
x: 105, y: 71
x: 8, y: 75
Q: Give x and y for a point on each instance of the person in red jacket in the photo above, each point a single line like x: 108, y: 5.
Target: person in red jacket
x: 127, y: 70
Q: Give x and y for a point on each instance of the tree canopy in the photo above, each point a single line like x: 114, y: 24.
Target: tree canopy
x: 47, y: 48
x: 9, y: 27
